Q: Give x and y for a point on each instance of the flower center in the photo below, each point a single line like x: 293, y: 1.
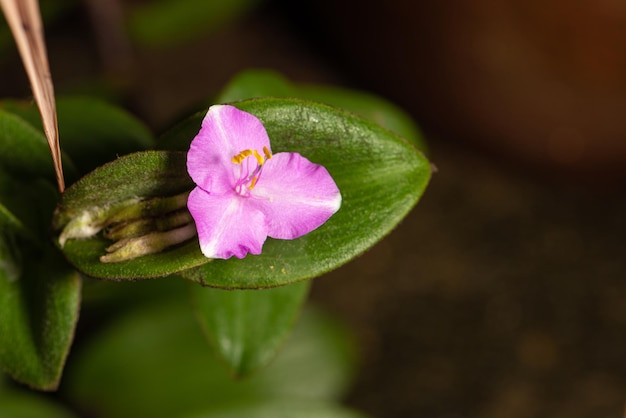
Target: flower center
x: 250, y: 164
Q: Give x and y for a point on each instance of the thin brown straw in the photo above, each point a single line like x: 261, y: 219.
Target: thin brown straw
x: 24, y: 19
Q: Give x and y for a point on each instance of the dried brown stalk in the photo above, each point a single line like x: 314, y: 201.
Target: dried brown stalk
x: 24, y: 19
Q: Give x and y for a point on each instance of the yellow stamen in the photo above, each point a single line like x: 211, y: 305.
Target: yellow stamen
x: 267, y: 153
x: 237, y: 159
x: 259, y: 159
x: 253, y: 182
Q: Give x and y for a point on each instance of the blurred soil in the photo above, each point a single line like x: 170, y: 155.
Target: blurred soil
x: 502, y: 295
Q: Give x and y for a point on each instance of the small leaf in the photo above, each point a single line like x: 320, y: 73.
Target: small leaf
x: 140, y: 175
x: 258, y: 83
x: 246, y: 327
x: 162, y: 367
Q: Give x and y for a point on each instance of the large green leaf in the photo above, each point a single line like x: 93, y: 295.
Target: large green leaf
x: 259, y: 83
x: 155, y: 363
x: 380, y: 175
x: 246, y: 327
x: 39, y: 291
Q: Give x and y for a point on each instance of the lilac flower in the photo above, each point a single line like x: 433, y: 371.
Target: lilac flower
x: 244, y: 193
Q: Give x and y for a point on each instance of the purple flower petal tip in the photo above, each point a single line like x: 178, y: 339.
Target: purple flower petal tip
x: 244, y: 193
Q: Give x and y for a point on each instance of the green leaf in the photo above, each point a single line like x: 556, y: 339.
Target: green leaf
x: 38, y: 314
x: 27, y: 205
x: 250, y: 84
x: 258, y: 83
x: 10, y: 260
x: 39, y: 292
x: 19, y: 404
x: 380, y: 176
x: 155, y: 363
x: 368, y: 106
x: 168, y: 22
x: 246, y: 327
x: 24, y: 150
x: 111, y: 299
x: 17, y: 196
x: 145, y: 174
x: 92, y: 131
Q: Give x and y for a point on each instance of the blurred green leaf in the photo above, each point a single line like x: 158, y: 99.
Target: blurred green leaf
x: 156, y: 363
x: 115, y: 298
x: 250, y: 84
x: 282, y: 409
x: 258, y: 83
x: 92, y: 131
x: 20, y: 404
x: 168, y: 22
x: 246, y: 327
x: 24, y: 150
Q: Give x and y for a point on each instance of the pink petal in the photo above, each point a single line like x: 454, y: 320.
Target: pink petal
x: 227, y: 225
x: 295, y: 195
x: 225, y: 132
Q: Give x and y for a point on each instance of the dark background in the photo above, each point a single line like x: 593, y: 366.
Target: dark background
x: 503, y: 294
